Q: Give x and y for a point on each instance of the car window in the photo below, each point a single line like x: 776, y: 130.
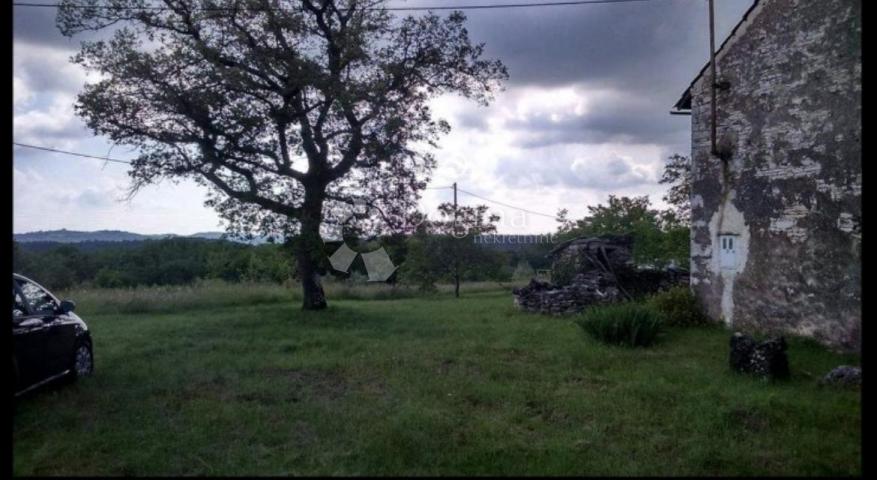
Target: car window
x: 37, y: 299
x: 18, y: 308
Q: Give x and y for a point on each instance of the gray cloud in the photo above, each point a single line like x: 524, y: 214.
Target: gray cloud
x: 646, y: 52
x: 54, y: 122
x: 95, y: 198
x: 661, y: 43
x: 599, y: 173
x: 652, y: 46
x: 45, y: 69
x: 626, y: 119
x: 37, y: 26
x: 471, y: 119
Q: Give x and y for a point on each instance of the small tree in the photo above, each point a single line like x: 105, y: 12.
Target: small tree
x: 677, y: 173
x: 446, y: 248
x: 286, y: 110
x: 523, y: 270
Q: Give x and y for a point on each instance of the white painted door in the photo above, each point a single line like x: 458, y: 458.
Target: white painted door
x: 728, y: 252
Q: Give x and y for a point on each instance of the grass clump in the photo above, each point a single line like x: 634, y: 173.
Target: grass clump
x: 679, y: 307
x: 212, y: 294
x: 626, y: 324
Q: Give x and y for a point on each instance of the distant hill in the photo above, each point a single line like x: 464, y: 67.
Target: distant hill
x: 73, y: 236
x: 107, y: 236
x: 208, y: 235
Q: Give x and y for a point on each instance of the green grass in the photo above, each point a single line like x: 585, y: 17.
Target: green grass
x: 425, y: 386
x: 215, y: 294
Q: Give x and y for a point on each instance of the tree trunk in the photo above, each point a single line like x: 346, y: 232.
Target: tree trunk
x: 309, y: 250
x: 312, y: 288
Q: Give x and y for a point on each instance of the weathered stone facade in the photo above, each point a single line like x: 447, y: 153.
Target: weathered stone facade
x: 776, y: 239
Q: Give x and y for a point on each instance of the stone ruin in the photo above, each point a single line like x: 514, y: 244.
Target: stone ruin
x: 766, y: 359
x: 593, y: 270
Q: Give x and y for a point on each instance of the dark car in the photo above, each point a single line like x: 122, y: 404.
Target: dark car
x: 50, y: 342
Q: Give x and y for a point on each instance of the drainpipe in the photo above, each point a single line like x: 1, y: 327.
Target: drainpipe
x: 714, y: 150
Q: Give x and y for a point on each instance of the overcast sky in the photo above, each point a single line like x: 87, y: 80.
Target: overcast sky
x: 584, y: 115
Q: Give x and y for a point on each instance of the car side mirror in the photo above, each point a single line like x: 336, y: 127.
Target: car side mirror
x: 66, y: 306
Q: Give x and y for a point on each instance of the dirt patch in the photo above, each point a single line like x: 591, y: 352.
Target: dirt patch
x: 216, y: 387
x: 475, y: 402
x: 264, y: 398
x: 546, y: 413
x: 310, y: 383
x: 749, y: 419
x: 445, y: 366
x: 514, y: 354
x: 589, y: 382
x: 303, y: 434
x: 468, y: 368
x: 372, y: 386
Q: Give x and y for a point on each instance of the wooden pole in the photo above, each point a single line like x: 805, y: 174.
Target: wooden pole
x: 456, y: 259
x: 714, y: 150
x: 455, y: 202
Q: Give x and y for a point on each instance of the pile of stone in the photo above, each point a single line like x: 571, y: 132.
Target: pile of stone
x: 766, y: 359
x: 590, y: 271
x: 586, y: 289
x: 844, y: 376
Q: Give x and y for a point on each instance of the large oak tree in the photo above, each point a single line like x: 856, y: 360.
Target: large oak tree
x: 286, y: 110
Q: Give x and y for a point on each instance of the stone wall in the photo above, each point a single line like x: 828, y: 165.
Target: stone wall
x: 593, y: 271
x: 790, y: 192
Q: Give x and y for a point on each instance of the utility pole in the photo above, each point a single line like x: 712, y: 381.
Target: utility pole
x: 455, y: 204
x: 713, y: 150
x: 456, y: 251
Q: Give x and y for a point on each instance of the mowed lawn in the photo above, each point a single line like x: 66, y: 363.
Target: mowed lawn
x: 426, y: 386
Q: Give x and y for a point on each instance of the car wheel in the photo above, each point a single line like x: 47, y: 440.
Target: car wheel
x: 83, y: 361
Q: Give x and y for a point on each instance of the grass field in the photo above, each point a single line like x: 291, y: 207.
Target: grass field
x: 420, y: 386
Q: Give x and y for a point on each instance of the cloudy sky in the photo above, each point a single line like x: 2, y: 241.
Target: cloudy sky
x: 584, y: 115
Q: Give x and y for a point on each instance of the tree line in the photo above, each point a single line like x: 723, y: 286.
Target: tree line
x: 153, y: 262
x: 439, y: 251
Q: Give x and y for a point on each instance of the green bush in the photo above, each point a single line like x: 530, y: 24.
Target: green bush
x: 563, y: 271
x: 626, y: 324
x: 679, y: 307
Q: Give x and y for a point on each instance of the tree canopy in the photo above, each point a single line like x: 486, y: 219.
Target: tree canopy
x: 677, y: 173
x: 285, y: 110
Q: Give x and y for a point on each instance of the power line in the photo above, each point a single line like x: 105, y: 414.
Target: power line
x: 106, y: 159
x: 507, y: 205
x: 54, y: 150
x: 494, y: 201
x: 396, y: 9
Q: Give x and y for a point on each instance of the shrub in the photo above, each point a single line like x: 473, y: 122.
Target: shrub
x: 679, y: 307
x: 626, y: 324
x: 563, y: 271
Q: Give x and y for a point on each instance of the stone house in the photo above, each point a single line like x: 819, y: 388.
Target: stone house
x: 776, y: 209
